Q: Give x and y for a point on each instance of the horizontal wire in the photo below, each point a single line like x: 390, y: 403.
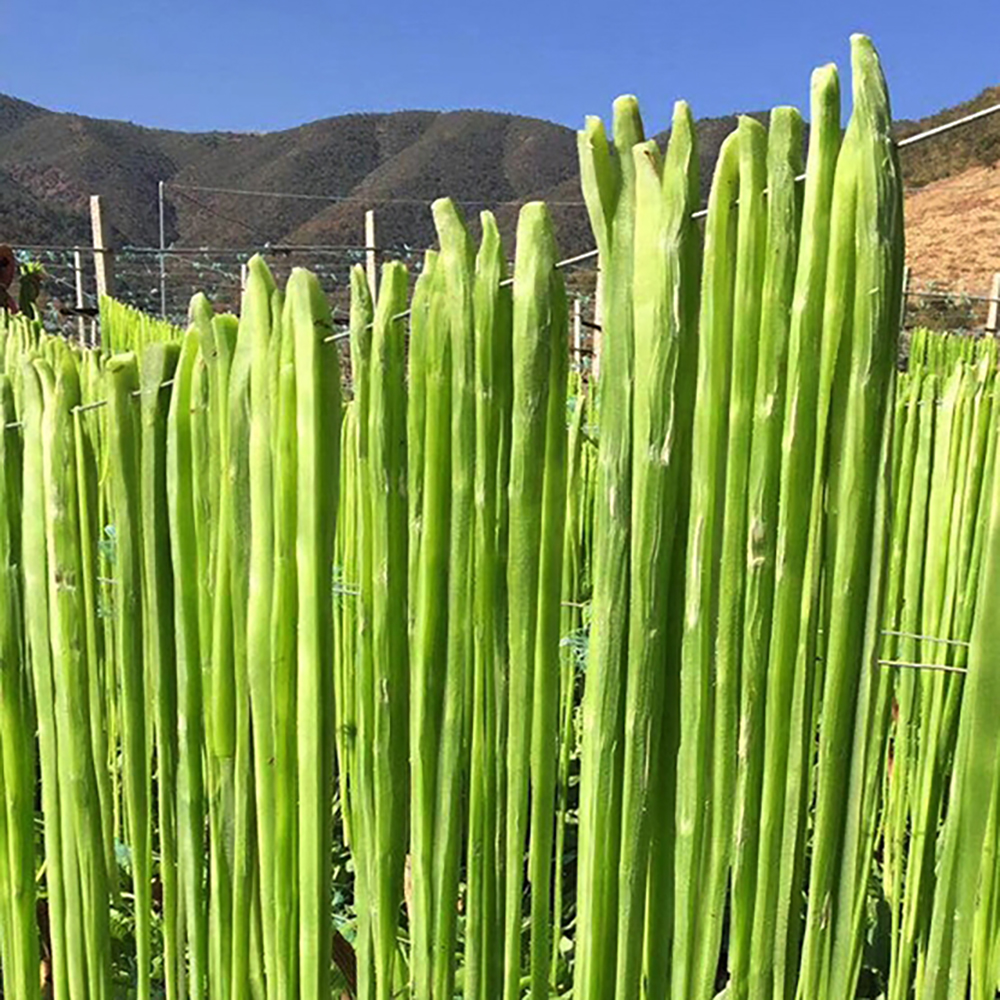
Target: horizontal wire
x: 902, y: 143
x: 923, y: 666
x: 948, y: 296
x: 129, y: 249
x: 286, y: 248
x: 338, y: 199
x: 920, y: 136
x: 90, y: 406
x: 569, y: 261
x: 85, y: 407
x: 925, y: 638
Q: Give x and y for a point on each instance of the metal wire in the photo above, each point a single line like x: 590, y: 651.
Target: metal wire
x: 923, y: 666
x: 85, y: 407
x: 925, y: 638
x: 90, y: 406
x: 948, y: 126
x: 901, y: 144
x: 361, y: 199
x: 959, y: 297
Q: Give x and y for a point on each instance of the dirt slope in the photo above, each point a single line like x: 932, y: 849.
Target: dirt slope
x: 953, y: 231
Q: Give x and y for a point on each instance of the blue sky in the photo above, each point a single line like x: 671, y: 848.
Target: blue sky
x: 255, y: 65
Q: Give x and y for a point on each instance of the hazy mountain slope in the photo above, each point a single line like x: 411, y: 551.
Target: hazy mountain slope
x: 51, y: 162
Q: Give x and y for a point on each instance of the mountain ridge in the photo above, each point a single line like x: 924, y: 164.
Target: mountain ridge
x: 396, y: 162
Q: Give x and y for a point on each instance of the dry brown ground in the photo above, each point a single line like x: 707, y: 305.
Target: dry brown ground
x: 953, y: 231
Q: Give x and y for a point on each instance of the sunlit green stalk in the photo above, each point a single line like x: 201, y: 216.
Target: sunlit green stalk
x: 456, y: 263
x: 317, y: 425
x: 17, y: 728
x: 947, y: 968
x: 484, y: 926
x: 868, y: 339
x: 666, y: 195
x: 609, y: 189
x: 124, y: 443
x: 703, y: 545
x: 429, y: 645
x: 159, y: 361
x: 784, y: 162
x: 191, y: 809
x: 751, y: 247
x: 551, y: 329
x: 390, y: 742
x: 284, y: 607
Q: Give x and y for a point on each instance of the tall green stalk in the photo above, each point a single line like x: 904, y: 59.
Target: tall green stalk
x: 763, y: 485
x: 609, y: 189
x: 158, y: 365
x: 257, y: 318
x: 36, y: 603
x: 483, y: 964
x: 390, y: 740
x: 218, y: 339
x: 947, y: 969
x: 191, y: 807
x: 430, y: 623
x: 317, y: 425
x: 456, y: 263
x: 863, y: 351
x: 235, y: 523
x: 84, y: 857
x: 666, y: 195
x: 711, y: 409
x: 17, y: 726
x: 124, y: 443
x: 363, y: 804
x: 751, y: 254
x: 549, y: 323
x: 284, y: 607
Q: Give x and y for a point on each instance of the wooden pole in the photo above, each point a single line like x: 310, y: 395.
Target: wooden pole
x: 578, y: 333
x: 81, y: 322
x: 907, y: 274
x: 243, y: 278
x: 595, y: 361
x: 103, y: 257
x: 993, y: 316
x: 163, y: 254
x: 371, y: 258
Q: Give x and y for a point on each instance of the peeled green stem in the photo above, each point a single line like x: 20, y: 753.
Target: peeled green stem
x: 124, y: 442
x: 317, y: 425
x: 664, y: 271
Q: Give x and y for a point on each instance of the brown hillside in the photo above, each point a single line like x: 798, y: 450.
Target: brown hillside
x: 976, y: 144
x: 50, y: 162
x: 953, y: 231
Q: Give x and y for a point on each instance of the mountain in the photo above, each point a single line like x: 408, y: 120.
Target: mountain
x: 51, y: 162
x: 953, y: 203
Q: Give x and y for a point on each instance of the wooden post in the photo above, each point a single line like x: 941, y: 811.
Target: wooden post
x: 993, y: 316
x: 103, y: 259
x: 595, y: 361
x: 577, y: 333
x: 907, y: 274
x: 243, y: 279
x: 81, y: 321
x: 371, y: 258
x: 163, y: 254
